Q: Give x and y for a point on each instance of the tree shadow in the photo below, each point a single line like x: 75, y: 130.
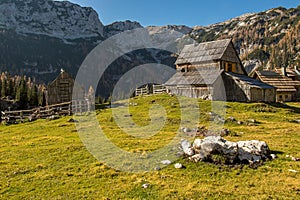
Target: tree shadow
x: 283, y: 105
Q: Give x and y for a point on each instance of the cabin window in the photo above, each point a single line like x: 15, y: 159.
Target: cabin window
x: 230, y: 67
x: 280, y: 96
x: 286, y: 96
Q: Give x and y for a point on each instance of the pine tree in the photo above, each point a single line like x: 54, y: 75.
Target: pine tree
x: 21, y: 96
x: 10, y: 88
x: 3, y: 88
x: 33, y: 96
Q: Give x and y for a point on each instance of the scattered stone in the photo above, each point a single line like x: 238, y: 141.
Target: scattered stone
x: 273, y: 156
x: 212, y: 114
x: 197, y: 157
x: 178, y: 166
x: 297, y: 120
x: 232, y: 119
x: 146, y: 185
x: 253, y: 150
x: 252, y: 121
x: 295, y: 159
x: 186, y: 130
x: 292, y: 170
x: 224, y: 132
x: 197, y: 143
x: 216, y: 145
x: 215, y: 117
x: 214, y: 148
x: 187, y: 147
x: 166, y: 162
x: 157, y: 168
x: 201, y: 131
x: 240, y: 122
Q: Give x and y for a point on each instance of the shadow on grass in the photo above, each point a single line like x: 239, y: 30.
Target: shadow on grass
x: 276, y: 152
x: 283, y: 105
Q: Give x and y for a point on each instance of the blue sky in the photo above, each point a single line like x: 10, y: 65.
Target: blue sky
x: 178, y: 12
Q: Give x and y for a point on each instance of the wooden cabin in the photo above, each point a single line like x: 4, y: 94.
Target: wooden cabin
x: 61, y: 89
x: 287, y: 89
x: 213, y: 70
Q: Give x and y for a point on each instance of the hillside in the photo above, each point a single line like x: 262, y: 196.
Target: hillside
x: 270, y: 37
x: 38, y: 38
x: 47, y: 160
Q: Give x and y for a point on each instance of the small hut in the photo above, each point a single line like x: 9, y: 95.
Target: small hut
x: 205, y: 70
x: 287, y: 89
x: 61, y: 89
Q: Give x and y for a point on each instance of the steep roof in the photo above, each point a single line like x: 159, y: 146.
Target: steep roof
x: 282, y: 83
x: 249, y: 81
x: 202, y: 52
x: 203, y: 77
x: 63, y: 75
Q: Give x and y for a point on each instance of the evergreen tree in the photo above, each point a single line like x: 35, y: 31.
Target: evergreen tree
x: 10, y: 88
x: 44, y: 101
x: 33, y: 96
x: 21, y: 96
x: 3, y: 88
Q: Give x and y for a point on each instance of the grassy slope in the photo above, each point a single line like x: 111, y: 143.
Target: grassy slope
x: 47, y: 160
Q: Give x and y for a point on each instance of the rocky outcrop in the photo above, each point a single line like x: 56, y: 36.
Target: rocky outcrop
x: 59, y: 19
x: 217, y: 149
x: 119, y: 27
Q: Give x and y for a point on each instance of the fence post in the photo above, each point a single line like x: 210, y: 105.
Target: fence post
x: 80, y: 107
x: 21, y: 116
x: 69, y: 109
x: 88, y: 105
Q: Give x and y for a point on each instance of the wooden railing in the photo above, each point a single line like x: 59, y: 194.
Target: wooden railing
x: 56, y: 110
x: 150, y: 89
x: 159, y: 89
x: 142, y: 91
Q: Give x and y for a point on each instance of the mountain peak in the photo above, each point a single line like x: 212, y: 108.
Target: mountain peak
x: 120, y: 26
x: 60, y: 19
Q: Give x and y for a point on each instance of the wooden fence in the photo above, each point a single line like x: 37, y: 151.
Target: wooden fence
x: 150, y: 89
x: 142, y: 91
x: 159, y: 89
x: 56, y: 110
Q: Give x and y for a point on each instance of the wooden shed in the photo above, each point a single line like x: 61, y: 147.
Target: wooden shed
x: 61, y: 89
x: 287, y: 89
x: 205, y: 70
x: 243, y: 88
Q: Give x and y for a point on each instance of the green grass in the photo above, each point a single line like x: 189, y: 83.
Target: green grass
x: 47, y: 160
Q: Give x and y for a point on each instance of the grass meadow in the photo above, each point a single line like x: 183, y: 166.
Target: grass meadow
x: 47, y: 160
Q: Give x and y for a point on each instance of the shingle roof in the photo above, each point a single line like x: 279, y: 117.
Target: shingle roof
x: 203, y: 77
x: 249, y: 81
x: 282, y: 83
x: 202, y: 52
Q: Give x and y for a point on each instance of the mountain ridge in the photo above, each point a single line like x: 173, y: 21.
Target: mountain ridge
x: 39, y: 37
